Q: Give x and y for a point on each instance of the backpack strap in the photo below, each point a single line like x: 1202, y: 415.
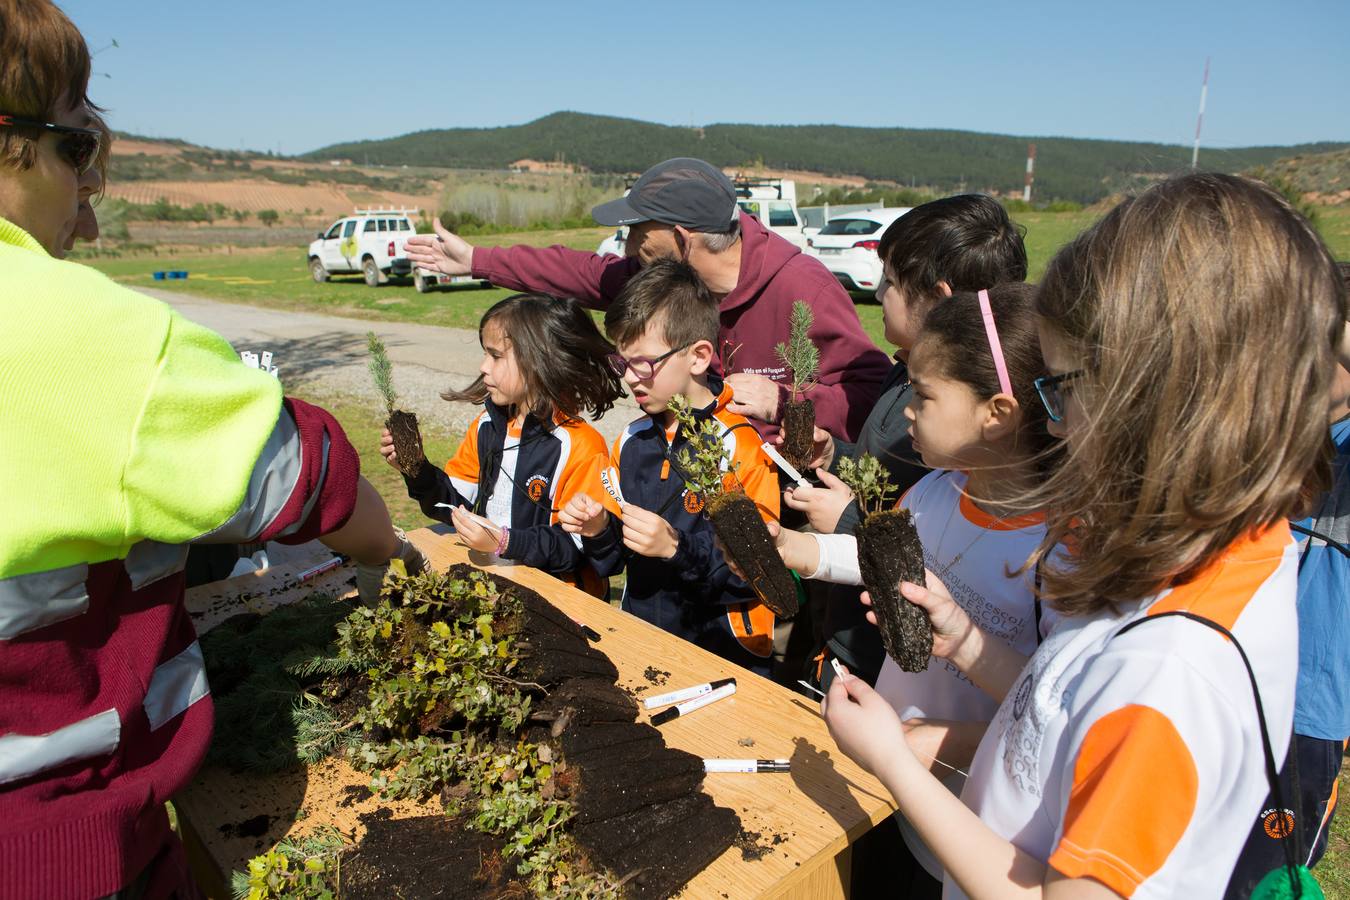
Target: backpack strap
x: 1291, y: 852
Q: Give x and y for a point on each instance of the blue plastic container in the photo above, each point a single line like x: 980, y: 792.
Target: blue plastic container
x: 160, y: 276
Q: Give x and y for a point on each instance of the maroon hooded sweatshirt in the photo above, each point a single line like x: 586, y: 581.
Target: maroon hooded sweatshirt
x: 774, y: 273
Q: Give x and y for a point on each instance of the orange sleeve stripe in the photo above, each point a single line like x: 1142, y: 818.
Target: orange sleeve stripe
x: 756, y: 473
x: 588, y: 450
x: 464, y: 464
x: 1222, y: 590
x: 1117, y: 831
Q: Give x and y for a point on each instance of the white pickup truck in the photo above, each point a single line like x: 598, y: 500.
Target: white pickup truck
x: 369, y: 241
x: 774, y: 202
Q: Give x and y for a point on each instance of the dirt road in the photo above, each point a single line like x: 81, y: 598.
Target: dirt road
x: 325, y: 356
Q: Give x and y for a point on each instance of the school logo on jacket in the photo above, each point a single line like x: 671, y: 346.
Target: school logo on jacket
x: 1278, y: 825
x: 535, y: 487
x: 693, y: 503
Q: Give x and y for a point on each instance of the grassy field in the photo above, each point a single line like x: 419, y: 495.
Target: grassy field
x: 279, y: 278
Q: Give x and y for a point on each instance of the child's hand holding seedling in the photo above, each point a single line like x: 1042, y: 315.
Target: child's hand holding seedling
x: 647, y: 534
x: 475, y: 532
x: 583, y: 515
x: 387, y: 449
x: 823, y: 505
x: 799, y: 551
x: 953, y: 630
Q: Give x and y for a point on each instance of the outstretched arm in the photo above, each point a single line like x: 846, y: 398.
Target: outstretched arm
x: 593, y: 279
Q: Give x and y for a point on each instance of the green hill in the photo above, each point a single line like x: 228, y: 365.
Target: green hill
x: 1327, y: 175
x: 1066, y: 168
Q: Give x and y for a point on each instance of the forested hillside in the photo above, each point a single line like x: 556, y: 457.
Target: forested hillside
x: 1066, y: 168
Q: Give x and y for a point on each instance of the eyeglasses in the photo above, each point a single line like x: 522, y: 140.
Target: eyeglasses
x: 643, y: 367
x: 1052, y: 394
x: 77, y: 146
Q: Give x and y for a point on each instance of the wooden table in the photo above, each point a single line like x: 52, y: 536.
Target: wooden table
x: 806, y: 820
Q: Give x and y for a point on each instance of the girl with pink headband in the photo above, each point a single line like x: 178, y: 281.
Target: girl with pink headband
x: 977, y: 421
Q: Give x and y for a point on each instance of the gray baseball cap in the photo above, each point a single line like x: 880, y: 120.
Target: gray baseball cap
x: 680, y: 191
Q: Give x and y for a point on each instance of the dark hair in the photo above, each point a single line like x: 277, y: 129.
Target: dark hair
x: 968, y: 241
x: 44, y: 62
x: 1344, y: 269
x: 560, y: 353
x: 669, y: 292
x: 954, y: 332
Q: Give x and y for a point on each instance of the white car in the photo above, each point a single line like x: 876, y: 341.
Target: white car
x: 369, y: 241
x: 847, y: 245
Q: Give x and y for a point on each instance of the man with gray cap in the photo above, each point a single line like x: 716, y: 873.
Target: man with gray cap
x: 686, y: 209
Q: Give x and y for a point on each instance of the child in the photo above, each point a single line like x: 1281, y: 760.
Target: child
x: 961, y: 243
x: 527, y: 453
x: 664, y: 323
x: 979, y: 425
x: 1127, y: 754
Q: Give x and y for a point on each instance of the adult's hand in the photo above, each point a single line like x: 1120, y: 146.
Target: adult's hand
x: 444, y: 251
x: 754, y: 396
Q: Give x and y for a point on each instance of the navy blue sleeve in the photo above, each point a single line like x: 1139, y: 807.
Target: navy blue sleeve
x: 606, y: 551
x: 545, y: 547
x: 431, y: 486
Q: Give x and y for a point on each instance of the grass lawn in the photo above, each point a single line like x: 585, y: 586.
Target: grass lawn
x: 280, y: 279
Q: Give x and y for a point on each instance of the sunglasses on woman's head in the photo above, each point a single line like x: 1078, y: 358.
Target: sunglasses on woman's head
x: 77, y: 146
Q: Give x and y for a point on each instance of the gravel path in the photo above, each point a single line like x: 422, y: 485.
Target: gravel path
x: 325, y: 356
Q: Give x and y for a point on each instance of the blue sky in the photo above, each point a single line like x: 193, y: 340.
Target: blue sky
x: 293, y: 76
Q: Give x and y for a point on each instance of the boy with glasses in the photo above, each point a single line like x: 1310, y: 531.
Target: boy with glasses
x: 639, y: 512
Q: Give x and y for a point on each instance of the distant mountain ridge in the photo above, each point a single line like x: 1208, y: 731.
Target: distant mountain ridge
x: 1066, y: 168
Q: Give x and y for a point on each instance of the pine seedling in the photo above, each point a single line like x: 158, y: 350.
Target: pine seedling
x: 382, y: 370
x: 869, y: 481
x: 800, y: 353
x: 402, y: 425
